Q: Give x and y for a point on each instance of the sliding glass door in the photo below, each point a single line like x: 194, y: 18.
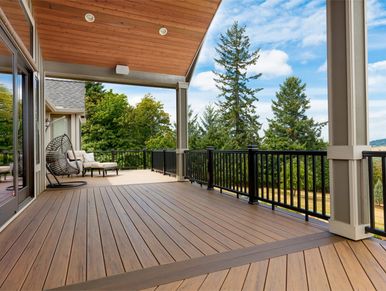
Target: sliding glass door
x: 16, y: 130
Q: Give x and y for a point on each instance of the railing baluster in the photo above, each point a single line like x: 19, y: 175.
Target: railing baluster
x: 314, y: 198
x: 278, y: 179
x: 371, y: 192
x: 384, y: 190
x: 272, y: 182
x: 306, y: 184
x: 323, y: 186
x: 298, y: 180
x: 291, y: 181
x: 285, y: 177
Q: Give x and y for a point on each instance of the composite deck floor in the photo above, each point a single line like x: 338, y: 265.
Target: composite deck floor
x: 344, y: 265
x: 72, y: 236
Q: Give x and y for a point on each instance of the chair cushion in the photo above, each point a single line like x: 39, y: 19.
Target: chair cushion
x: 79, y: 155
x: 89, y: 165
x: 111, y: 165
x: 5, y: 169
x: 89, y: 157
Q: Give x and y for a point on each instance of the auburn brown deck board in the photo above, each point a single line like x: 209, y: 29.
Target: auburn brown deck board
x: 76, y: 235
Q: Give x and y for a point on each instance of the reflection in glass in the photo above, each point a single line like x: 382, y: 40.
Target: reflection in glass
x: 21, y: 83
x: 19, y: 20
x: 6, y: 124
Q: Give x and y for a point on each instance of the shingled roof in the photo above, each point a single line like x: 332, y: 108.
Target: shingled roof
x: 65, y: 95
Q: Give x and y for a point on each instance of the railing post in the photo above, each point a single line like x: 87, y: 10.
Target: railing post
x: 164, y: 161
x: 113, y: 155
x: 144, y: 159
x: 152, y: 160
x: 210, y: 167
x: 251, y: 174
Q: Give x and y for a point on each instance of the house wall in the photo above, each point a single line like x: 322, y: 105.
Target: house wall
x: 72, y: 128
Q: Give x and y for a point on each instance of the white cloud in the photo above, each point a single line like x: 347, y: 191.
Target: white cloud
x: 323, y: 68
x: 377, y: 119
x: 270, y: 23
x: 272, y: 63
x: 377, y: 77
x: 376, y: 13
x: 204, y: 81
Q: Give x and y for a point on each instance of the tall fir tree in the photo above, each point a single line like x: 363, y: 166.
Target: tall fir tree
x: 236, y: 105
x: 291, y: 128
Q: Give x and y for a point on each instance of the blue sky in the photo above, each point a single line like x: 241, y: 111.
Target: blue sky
x: 291, y: 35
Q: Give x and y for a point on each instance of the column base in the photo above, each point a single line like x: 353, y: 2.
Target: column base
x: 349, y: 231
x: 180, y: 178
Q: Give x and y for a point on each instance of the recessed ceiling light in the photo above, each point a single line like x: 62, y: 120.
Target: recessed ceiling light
x: 89, y: 17
x: 163, y: 31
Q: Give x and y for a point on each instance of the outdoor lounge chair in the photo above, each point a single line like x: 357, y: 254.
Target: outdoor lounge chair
x: 58, y: 164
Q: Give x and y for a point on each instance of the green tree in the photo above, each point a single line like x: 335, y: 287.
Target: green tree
x: 148, y: 120
x: 378, y: 193
x: 106, y: 127
x: 291, y: 128
x: 6, y: 118
x: 238, y: 112
x: 211, y: 129
x: 163, y: 140
x: 194, y: 136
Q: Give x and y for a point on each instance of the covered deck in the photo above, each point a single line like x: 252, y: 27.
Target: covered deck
x: 151, y: 233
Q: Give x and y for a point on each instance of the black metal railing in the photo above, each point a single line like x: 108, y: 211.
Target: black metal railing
x: 196, y: 166
x: 6, y: 157
x: 295, y: 180
x: 164, y: 161
x: 230, y: 171
x: 376, y: 161
x: 126, y: 159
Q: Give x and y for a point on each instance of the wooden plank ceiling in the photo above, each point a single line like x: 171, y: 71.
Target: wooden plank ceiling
x: 124, y: 32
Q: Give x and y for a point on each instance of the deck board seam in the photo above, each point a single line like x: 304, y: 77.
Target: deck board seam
x: 201, y: 205
x: 133, y: 200
x: 158, y: 210
x: 168, y: 209
x: 181, y: 270
x: 246, y: 235
x: 202, y: 217
x: 237, y: 203
x: 33, y: 236
x: 56, y: 245
x: 203, y: 222
x: 148, y: 226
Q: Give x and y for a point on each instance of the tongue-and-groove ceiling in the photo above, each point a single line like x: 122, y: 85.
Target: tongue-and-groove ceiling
x: 124, y: 32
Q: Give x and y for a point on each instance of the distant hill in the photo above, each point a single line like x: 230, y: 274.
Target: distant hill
x: 378, y: 142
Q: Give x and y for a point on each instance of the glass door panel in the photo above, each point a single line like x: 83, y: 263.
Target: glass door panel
x: 24, y: 156
x: 8, y: 200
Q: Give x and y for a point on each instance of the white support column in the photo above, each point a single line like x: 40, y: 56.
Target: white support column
x: 348, y: 120
x: 182, y: 127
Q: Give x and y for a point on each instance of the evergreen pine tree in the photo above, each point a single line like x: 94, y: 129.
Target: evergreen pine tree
x: 210, y: 128
x: 290, y: 128
x: 193, y: 130
x: 237, y: 99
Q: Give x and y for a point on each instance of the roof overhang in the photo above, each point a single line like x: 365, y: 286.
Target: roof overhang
x: 125, y: 32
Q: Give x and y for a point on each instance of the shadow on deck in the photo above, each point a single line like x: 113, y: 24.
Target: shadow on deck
x: 143, y: 235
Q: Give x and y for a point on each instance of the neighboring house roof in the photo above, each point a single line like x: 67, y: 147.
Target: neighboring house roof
x: 65, y: 96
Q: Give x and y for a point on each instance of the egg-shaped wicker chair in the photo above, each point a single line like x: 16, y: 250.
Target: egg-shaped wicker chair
x: 58, y: 164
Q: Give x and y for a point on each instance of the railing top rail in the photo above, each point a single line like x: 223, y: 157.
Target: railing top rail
x: 230, y: 151
x: 293, y: 152
x: 379, y: 154
x: 195, y: 151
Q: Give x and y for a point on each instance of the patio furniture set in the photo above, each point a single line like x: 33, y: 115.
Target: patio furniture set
x: 62, y: 160
x: 87, y: 163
